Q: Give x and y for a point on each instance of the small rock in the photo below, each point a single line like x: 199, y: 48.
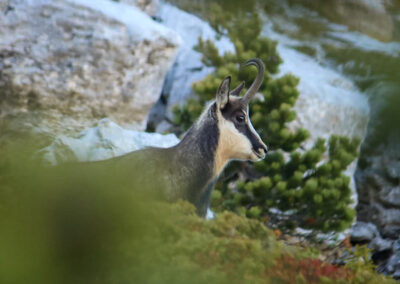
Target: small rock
x: 379, y: 244
x: 390, y: 195
x: 396, y: 245
x: 396, y: 275
x: 363, y: 232
x: 393, y: 264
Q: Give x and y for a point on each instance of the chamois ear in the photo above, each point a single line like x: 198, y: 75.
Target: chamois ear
x: 223, y: 93
x: 237, y: 90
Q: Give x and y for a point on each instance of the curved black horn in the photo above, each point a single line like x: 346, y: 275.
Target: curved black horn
x: 259, y: 79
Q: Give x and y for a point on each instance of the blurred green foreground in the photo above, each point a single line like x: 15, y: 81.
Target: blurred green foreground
x: 75, y: 224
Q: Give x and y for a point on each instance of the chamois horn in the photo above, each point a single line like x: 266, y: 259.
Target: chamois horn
x: 259, y: 79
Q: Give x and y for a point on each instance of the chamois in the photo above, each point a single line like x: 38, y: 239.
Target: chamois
x: 189, y: 170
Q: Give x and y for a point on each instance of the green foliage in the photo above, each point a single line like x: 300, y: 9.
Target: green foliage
x: 62, y: 225
x: 316, y: 194
x: 306, y: 190
x: 360, y: 259
x: 359, y: 262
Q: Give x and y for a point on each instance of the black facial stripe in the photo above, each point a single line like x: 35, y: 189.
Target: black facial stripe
x: 246, y: 131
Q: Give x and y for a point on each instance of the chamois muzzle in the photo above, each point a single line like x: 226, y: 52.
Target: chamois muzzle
x: 259, y: 148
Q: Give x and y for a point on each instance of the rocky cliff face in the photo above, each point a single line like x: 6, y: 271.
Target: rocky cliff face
x: 64, y: 64
x: 378, y: 184
x: 379, y: 188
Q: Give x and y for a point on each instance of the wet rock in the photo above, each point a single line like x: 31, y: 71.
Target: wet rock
x: 104, y: 141
x: 65, y: 64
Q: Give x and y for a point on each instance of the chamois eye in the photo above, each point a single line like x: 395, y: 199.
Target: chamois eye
x: 240, y: 118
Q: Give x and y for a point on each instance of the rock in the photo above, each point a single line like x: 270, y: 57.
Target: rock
x: 378, y: 244
x: 104, y: 141
x: 382, y: 249
x: 362, y: 232
x: 391, y: 158
x: 329, y: 103
x: 396, y: 245
x: 65, y: 64
x: 393, y: 264
x: 379, y: 189
x: 396, y: 275
x: 389, y: 220
x: 187, y: 67
x: 390, y: 196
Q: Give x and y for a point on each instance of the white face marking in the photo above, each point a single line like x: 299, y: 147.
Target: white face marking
x: 232, y: 144
x: 234, y: 141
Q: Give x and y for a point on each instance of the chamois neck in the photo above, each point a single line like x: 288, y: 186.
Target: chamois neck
x: 198, y: 146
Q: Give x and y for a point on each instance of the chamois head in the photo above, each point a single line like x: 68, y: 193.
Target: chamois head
x: 238, y: 139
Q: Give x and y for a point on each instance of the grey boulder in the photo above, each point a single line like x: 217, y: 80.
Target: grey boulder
x: 65, y: 64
